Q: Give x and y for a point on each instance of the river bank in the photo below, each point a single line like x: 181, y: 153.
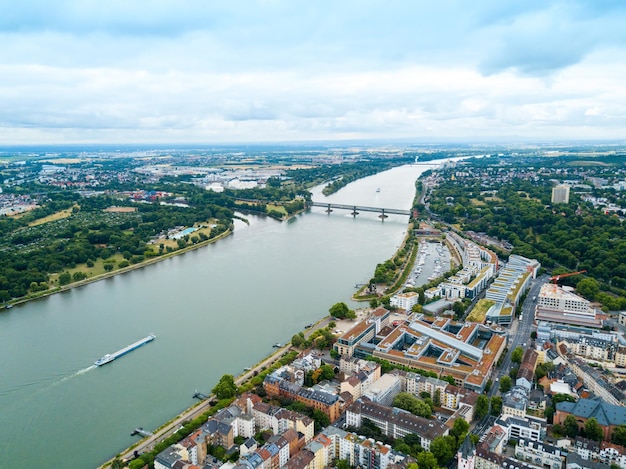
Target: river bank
x: 214, y: 310
x: 113, y: 273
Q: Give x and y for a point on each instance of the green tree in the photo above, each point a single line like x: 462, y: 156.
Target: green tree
x: 517, y: 355
x: 459, y: 430
x: 225, y: 388
x: 339, y: 310
x: 496, y: 405
x: 443, y: 448
x: 422, y: 296
x: 505, y: 384
x: 320, y: 419
x: 427, y: 460
x: 328, y: 372
x: 482, y: 407
x: 409, y: 402
x: 108, y: 266
x: 437, y: 398
x: 619, y: 435
x: 65, y: 278
x: 593, y: 431
x: 342, y: 464
x: 588, y: 288
x: 297, y: 340
x: 570, y: 426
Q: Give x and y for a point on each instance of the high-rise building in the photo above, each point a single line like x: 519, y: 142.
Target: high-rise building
x: 560, y: 194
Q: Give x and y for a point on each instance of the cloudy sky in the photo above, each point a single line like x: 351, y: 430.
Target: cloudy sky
x: 208, y: 71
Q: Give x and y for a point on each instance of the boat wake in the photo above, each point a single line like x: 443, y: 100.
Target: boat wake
x: 68, y: 377
x: 58, y: 381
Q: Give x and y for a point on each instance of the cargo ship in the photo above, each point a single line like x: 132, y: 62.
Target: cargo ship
x: 109, y: 357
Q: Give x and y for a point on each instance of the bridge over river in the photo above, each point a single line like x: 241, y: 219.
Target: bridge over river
x: 360, y: 208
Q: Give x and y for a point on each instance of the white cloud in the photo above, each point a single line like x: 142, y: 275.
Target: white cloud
x: 288, y: 70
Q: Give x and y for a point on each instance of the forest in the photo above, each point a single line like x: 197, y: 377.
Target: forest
x: 563, y: 237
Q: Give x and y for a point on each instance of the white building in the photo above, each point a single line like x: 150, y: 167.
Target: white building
x: 384, y: 389
x: 404, y: 301
x: 556, y: 304
x: 560, y: 194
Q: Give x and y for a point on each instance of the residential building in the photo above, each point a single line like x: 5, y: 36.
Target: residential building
x: 394, y: 422
x: 509, y: 287
x: 515, y: 402
x: 539, y: 454
x: 522, y: 428
x: 276, y: 386
x: 384, y: 389
x: 404, y: 301
x: 560, y: 194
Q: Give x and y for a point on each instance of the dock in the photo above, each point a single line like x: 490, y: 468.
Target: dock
x: 141, y: 431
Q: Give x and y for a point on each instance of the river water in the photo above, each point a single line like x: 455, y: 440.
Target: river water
x: 215, y: 310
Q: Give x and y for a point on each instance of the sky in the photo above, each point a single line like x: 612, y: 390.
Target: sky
x: 235, y: 71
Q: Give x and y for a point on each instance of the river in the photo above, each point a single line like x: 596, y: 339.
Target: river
x: 214, y: 310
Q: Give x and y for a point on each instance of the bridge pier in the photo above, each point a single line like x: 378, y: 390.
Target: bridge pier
x: 382, y: 216
x: 328, y: 210
x: 354, y: 212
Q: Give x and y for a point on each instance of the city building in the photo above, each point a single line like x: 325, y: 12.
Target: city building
x: 522, y: 428
x: 275, y: 386
x: 555, y: 304
x: 465, y: 351
x: 509, y: 287
x: 384, y: 389
x: 539, y: 454
x: 560, y: 194
x: 608, y: 416
x: 362, y: 332
x: 404, y: 301
x: 394, y: 422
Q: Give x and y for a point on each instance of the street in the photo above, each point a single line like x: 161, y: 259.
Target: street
x: 519, y: 332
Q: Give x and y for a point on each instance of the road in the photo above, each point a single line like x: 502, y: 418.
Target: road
x: 170, y: 428
x: 519, y: 333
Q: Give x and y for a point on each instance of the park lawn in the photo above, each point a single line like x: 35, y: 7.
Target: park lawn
x: 55, y: 216
x: 587, y: 163
x: 97, y: 269
x: 277, y: 208
x: 478, y: 203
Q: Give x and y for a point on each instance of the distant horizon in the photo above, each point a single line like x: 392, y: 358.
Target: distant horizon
x: 322, y: 144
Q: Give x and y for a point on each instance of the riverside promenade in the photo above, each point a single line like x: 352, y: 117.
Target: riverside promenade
x: 147, y: 444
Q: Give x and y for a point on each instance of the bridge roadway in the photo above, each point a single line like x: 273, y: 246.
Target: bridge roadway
x: 360, y: 208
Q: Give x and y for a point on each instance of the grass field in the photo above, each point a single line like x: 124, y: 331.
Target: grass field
x: 97, y: 269
x: 277, y: 208
x: 479, y: 313
x: 55, y: 216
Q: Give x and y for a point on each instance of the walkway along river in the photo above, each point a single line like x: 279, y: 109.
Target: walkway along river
x: 215, y: 310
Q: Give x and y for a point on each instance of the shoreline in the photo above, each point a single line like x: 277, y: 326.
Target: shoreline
x: 121, y: 271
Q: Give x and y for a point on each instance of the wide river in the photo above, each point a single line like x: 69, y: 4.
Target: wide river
x: 214, y: 310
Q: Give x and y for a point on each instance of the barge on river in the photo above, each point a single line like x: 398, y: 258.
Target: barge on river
x: 109, y: 357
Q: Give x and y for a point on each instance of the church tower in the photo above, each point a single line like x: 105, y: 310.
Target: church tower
x: 466, y: 456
